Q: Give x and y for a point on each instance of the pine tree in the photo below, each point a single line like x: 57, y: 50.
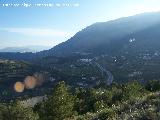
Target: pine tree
x: 60, y: 105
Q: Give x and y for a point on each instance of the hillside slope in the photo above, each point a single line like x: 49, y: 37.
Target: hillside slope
x: 109, y: 36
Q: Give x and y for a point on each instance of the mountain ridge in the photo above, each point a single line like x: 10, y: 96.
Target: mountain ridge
x: 103, y: 37
x: 106, y: 33
x: 24, y: 49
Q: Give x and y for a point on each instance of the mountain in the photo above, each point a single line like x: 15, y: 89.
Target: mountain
x: 107, y: 38
x: 125, y: 49
x: 25, y: 49
x: 111, y: 36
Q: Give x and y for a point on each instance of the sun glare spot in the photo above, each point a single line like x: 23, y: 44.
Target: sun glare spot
x: 19, y: 87
x: 30, y: 82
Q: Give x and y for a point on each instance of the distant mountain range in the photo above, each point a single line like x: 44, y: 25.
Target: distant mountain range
x: 25, y: 49
x: 113, y: 36
x: 127, y: 47
x: 135, y: 33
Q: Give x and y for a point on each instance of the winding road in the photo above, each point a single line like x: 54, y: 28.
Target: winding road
x: 105, y: 73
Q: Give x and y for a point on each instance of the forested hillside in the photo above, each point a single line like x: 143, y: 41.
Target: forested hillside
x: 130, y: 101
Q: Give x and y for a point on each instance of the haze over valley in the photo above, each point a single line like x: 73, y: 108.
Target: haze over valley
x: 84, y: 61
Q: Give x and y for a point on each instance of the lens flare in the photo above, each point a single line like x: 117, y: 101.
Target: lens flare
x: 30, y: 82
x: 40, y: 78
x: 19, y: 87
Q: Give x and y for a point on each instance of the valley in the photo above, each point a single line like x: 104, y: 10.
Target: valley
x: 108, y: 70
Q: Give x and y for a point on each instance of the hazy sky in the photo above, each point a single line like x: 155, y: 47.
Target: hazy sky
x: 42, y: 25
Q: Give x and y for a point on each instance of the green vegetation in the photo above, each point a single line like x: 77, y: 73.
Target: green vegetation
x: 15, y: 70
x: 140, y: 66
x: 12, y: 71
x: 16, y: 111
x: 75, y: 72
x: 130, y: 101
x: 59, y: 105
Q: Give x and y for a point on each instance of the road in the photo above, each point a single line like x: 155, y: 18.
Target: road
x: 108, y: 75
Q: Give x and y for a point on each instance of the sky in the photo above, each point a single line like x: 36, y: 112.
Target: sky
x: 50, y: 22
